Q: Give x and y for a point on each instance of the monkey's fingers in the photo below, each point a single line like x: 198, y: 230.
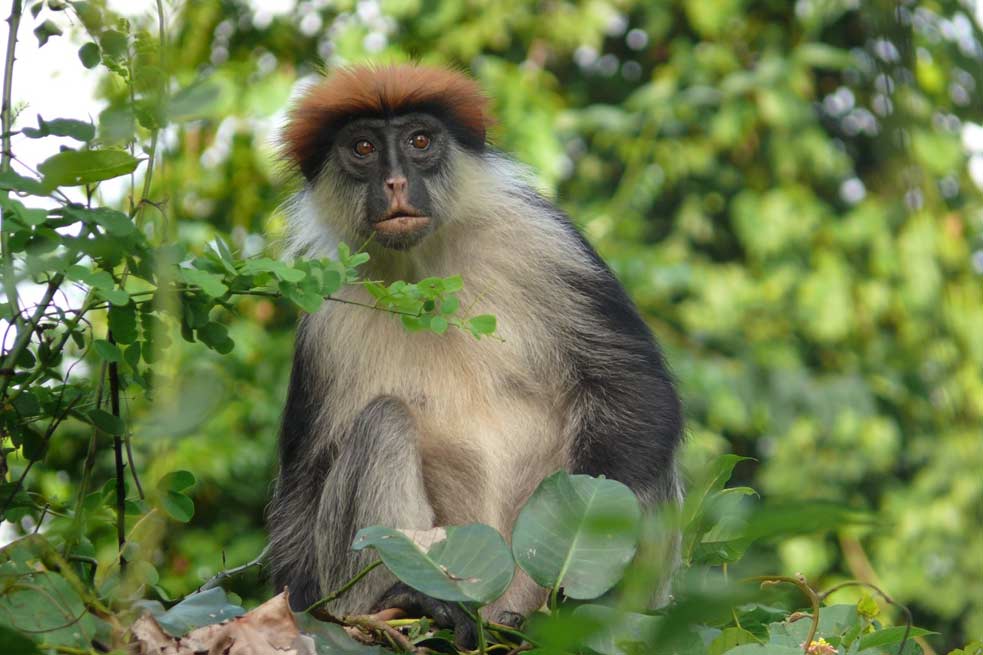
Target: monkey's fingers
x: 444, y: 614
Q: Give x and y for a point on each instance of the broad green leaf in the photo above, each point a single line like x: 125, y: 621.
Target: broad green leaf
x: 438, y: 324
x: 76, y: 167
x: 578, y: 533
x: 113, y: 43
x: 79, y: 130
x: 43, y: 602
x: 729, y: 639
x: 211, y: 283
x: 449, y: 305
x: 14, y: 182
x: 266, y: 265
x: 115, y: 222
x: 90, y: 55
x: 107, y: 351
x: 215, y: 336
x: 106, y: 421
x: 123, y: 323
x: 482, y: 325
x: 463, y: 563
x: 45, y: 31
x: 620, y: 633
x: 176, y: 481
x: 15, y: 643
x: 178, y: 506
x: 197, y: 610
x: 890, y: 636
x: 306, y: 299
x: 195, y: 101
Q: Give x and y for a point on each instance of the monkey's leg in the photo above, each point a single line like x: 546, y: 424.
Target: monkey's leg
x: 377, y: 479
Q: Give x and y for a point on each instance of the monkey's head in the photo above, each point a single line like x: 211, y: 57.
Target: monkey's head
x: 377, y: 147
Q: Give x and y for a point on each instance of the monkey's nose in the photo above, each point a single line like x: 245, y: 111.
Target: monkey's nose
x: 396, y: 184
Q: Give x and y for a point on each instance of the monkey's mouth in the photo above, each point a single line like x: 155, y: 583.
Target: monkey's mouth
x: 400, y: 224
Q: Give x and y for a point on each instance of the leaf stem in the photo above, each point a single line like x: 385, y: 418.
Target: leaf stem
x: 344, y: 589
x: 217, y: 579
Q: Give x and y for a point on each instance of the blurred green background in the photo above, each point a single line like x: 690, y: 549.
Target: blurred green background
x: 785, y: 188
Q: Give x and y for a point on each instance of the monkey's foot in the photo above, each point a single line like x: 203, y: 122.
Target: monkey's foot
x: 443, y: 613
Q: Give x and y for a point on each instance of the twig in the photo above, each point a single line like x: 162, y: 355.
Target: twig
x: 118, y: 451
x: 219, y: 577
x: 372, y: 623
x: 26, y: 331
x: 6, y: 124
x: 312, y: 610
x: 799, y: 581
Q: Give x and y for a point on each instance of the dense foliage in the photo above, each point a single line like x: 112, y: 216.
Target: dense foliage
x: 781, y: 186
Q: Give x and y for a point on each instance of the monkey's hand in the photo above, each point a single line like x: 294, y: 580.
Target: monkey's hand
x: 443, y: 613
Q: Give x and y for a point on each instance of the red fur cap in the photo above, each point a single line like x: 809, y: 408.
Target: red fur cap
x: 380, y: 91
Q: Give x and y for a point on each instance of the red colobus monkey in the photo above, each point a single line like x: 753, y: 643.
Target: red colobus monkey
x: 415, y: 430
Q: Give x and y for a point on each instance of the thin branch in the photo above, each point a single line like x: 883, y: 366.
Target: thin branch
x: 800, y: 582
x: 371, y: 623
x: 313, y: 609
x: 118, y: 451
x: 25, y: 332
x: 221, y: 576
x: 6, y: 124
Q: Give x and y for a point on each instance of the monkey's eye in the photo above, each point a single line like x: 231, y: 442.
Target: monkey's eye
x: 363, y: 148
x: 420, y: 141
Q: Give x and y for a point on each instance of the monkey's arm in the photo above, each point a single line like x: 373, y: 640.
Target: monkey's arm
x: 627, y: 419
x: 292, y: 512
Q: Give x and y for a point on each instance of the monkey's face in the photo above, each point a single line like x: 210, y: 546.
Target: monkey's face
x: 394, y: 162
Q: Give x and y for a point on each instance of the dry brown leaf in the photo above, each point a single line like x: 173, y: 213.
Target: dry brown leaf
x: 270, y: 629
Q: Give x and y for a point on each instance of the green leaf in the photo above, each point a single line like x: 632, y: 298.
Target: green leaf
x: 890, y: 636
x: 113, y: 43
x: 107, y: 351
x: 193, y: 102
x: 106, y: 421
x: 197, y: 610
x: 462, y: 563
x: 266, y: 265
x: 482, y: 325
x: 178, y: 506
x: 438, y: 324
x: 90, y: 55
x: 578, y: 533
x: 729, y: 639
x: 79, y: 130
x: 45, y: 31
x: 176, y: 481
x: 123, y: 323
x: 305, y: 299
x: 211, y: 283
x: 14, y: 182
x: 449, y: 305
x: 617, y: 633
x: 43, y: 602
x: 14, y: 643
x: 76, y: 167
x: 215, y: 336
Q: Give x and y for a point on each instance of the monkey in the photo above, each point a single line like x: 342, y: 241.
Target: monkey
x: 383, y: 426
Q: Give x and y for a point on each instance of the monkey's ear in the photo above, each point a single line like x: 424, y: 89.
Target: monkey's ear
x: 380, y: 91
